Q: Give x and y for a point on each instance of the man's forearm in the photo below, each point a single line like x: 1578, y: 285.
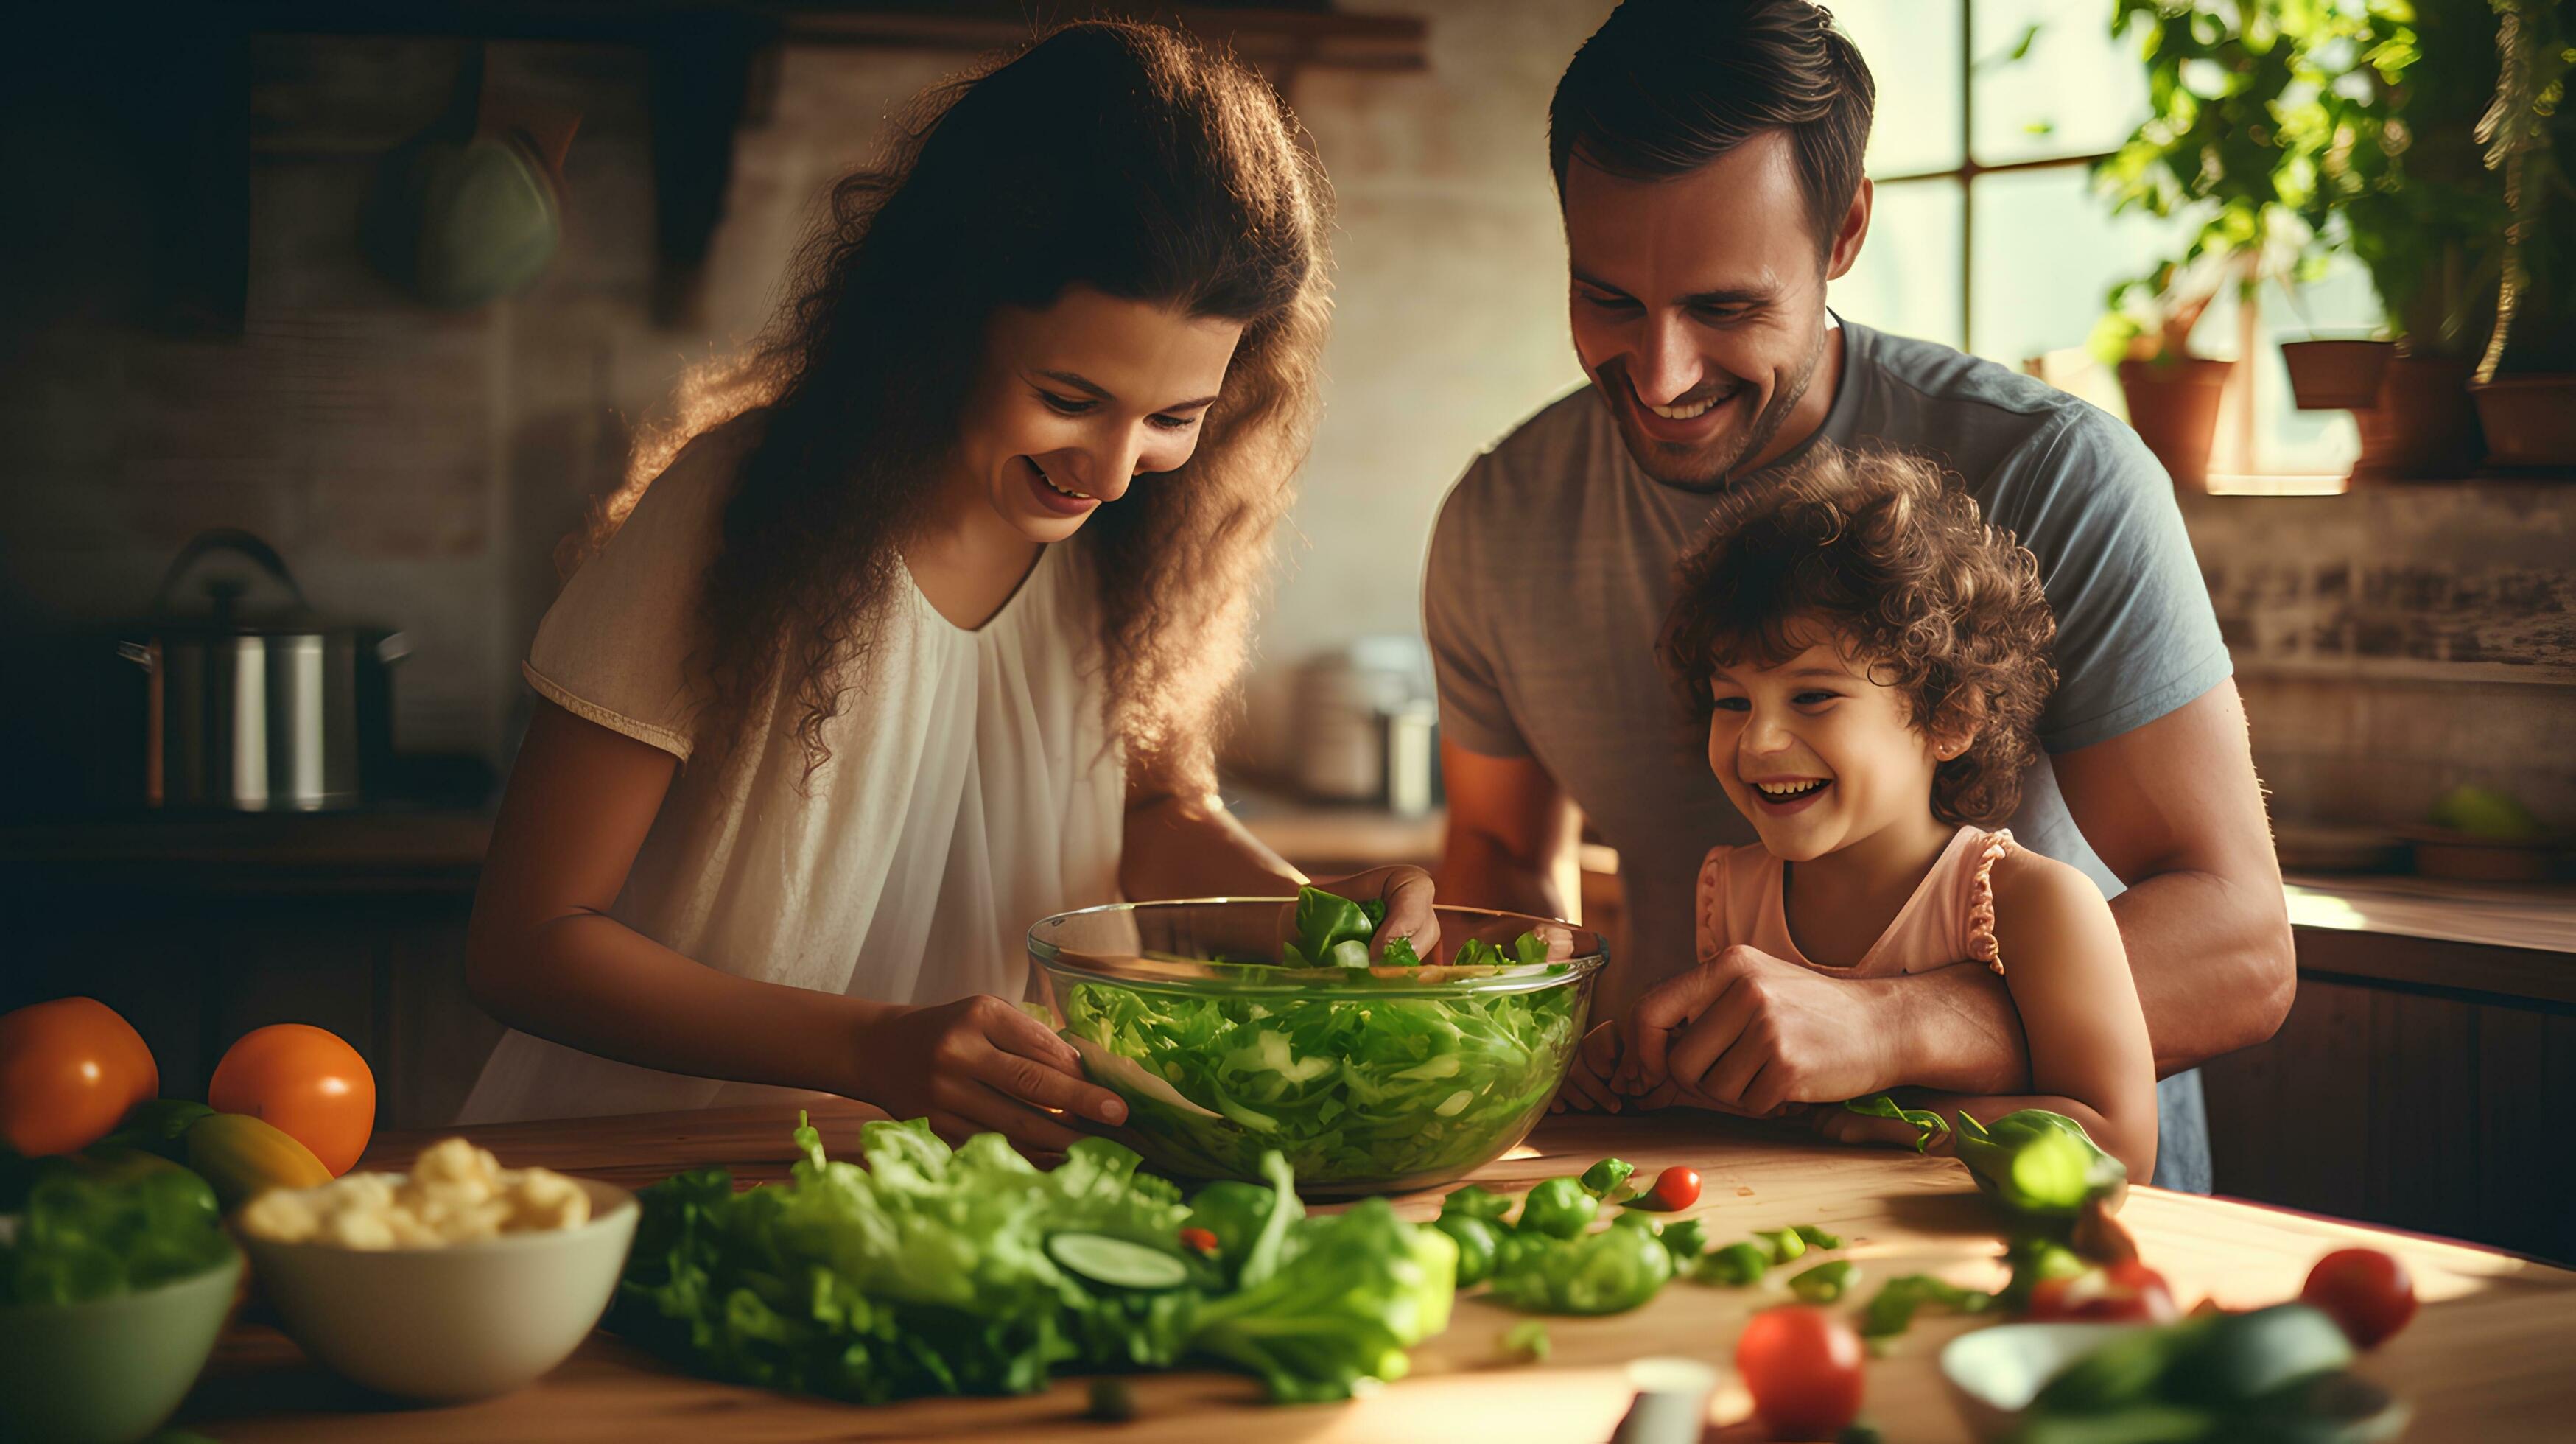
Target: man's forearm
x: 1477, y: 870
x: 2214, y: 962
x: 1958, y: 1029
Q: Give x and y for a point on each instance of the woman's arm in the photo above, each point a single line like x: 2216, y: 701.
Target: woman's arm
x: 1181, y: 842
x: 544, y: 956
x: 2089, y: 1054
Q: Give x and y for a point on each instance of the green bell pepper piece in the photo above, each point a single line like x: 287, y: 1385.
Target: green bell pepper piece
x: 1558, y: 1208
x: 2037, y: 1162
x: 1825, y: 1282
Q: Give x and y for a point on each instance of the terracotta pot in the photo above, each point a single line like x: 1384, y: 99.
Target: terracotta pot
x: 2529, y: 420
x: 2336, y: 375
x: 2424, y: 426
x: 2173, y: 404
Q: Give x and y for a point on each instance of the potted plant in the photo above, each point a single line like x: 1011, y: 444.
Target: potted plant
x: 2403, y: 188
x: 2237, y: 137
x: 2526, y: 380
x: 2173, y: 395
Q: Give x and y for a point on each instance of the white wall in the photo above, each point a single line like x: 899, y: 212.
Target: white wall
x: 1449, y: 323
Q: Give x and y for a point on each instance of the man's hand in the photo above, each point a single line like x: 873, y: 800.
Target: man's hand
x: 1587, y: 1078
x: 1750, y: 1032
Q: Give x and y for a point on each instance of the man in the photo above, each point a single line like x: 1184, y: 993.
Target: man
x: 1708, y: 159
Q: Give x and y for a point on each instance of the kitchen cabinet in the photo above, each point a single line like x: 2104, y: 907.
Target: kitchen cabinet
x: 2422, y: 1078
x: 198, y: 930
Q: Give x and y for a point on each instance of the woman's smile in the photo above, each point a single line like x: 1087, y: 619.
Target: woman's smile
x: 1062, y: 500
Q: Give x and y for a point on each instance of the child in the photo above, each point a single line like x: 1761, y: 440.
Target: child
x: 1871, y: 658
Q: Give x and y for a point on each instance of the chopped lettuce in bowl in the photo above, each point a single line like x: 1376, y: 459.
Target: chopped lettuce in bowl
x: 1369, y: 1074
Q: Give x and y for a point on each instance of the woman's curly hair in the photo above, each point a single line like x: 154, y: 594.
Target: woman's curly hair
x: 1122, y: 157
x: 1883, y: 550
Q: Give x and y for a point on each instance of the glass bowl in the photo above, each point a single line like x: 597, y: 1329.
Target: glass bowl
x: 1368, y: 1080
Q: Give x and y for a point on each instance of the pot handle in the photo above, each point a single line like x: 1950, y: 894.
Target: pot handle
x: 139, y: 653
x: 226, y: 539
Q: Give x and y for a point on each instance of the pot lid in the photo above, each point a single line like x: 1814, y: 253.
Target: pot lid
x: 264, y: 597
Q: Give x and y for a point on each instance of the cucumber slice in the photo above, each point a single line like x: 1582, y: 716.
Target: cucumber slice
x: 1116, y: 1262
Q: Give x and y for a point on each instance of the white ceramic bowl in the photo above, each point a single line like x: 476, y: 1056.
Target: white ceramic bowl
x: 113, y: 1368
x: 445, y: 1325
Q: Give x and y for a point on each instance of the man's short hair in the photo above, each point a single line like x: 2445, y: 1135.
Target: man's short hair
x: 1667, y: 86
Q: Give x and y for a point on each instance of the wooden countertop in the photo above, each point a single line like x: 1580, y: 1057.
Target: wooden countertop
x: 2484, y: 1360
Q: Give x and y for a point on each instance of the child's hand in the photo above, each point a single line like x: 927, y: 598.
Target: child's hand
x: 1587, y: 1078
x: 980, y: 1065
x: 1841, y: 1125
x: 1749, y: 1032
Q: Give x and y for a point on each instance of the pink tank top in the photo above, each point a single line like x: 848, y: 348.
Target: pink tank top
x: 1949, y: 919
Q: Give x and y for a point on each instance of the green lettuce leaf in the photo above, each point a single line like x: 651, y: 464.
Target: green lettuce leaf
x: 926, y: 1273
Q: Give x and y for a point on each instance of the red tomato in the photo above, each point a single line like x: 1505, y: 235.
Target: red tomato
x: 1676, y: 1187
x: 2127, y: 1292
x: 306, y: 1083
x: 2366, y: 1291
x: 1802, y: 1366
x: 1198, y: 1238
x: 69, y: 1072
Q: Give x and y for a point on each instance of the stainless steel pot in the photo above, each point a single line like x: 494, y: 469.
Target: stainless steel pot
x: 260, y: 710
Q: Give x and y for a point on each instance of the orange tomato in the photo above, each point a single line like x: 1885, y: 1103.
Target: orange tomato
x: 305, y: 1082
x: 69, y: 1071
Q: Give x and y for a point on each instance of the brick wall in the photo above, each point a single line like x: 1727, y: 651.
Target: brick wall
x: 2397, y: 641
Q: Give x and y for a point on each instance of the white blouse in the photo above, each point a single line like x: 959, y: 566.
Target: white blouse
x: 973, y: 789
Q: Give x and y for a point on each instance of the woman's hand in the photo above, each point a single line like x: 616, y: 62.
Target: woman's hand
x: 1406, y: 891
x: 979, y: 1065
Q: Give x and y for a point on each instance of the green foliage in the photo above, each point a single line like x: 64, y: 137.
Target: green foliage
x: 2290, y: 128
x: 1346, y: 1085
x: 2527, y: 131
x: 1606, y: 1272
x: 97, y: 1228
x: 1891, y: 1310
x: 1735, y: 1265
x: 1558, y: 1208
x: 1927, y: 1124
x: 927, y: 1272
x: 1826, y: 1282
x: 1607, y: 1177
x: 2036, y: 1162
x: 1526, y: 1342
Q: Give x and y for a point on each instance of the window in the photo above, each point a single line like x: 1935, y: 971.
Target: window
x: 1988, y: 236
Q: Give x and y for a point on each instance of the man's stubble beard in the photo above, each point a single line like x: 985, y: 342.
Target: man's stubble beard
x: 1692, y: 477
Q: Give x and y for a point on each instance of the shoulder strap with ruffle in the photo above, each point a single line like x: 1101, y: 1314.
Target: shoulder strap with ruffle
x: 1981, y: 899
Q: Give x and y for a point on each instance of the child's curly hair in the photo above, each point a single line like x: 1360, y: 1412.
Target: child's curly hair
x: 1879, y: 547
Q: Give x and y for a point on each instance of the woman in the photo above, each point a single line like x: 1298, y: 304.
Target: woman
x: 919, y: 637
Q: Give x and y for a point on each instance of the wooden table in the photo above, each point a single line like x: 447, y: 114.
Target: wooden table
x: 2486, y: 1359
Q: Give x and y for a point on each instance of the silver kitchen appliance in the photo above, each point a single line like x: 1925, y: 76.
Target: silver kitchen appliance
x: 258, y: 707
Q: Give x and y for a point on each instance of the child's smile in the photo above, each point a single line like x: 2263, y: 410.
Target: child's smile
x: 1816, y: 753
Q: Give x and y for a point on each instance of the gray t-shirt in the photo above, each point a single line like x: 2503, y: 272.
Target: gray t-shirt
x: 1552, y: 561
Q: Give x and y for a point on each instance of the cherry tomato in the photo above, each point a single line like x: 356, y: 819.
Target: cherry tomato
x: 1676, y: 1187
x: 2127, y: 1292
x: 1204, y: 1240
x: 305, y: 1082
x: 1802, y: 1366
x: 69, y: 1071
x: 2366, y: 1291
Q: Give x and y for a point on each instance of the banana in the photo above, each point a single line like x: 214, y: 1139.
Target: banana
x: 244, y: 1157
